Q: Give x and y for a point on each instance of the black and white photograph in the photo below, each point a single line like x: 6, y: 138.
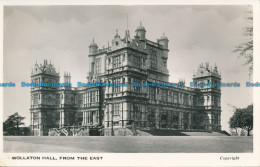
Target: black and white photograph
x: 129, y: 79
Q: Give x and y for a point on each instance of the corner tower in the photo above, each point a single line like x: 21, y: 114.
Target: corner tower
x: 140, y: 32
x: 43, y: 99
x: 209, y: 96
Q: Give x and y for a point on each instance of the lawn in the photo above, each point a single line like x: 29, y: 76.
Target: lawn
x: 142, y: 144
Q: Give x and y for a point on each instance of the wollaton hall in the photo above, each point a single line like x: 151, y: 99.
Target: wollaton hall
x: 127, y: 60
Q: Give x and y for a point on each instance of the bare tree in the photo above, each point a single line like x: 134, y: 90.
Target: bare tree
x: 245, y: 49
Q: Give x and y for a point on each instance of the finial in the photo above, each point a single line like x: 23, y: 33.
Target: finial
x: 163, y: 34
x: 207, y: 64
x: 116, y: 31
x: 140, y: 23
x: 93, y: 40
x: 127, y: 21
x: 107, y: 44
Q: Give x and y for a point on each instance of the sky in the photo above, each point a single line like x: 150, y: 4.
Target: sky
x: 62, y: 34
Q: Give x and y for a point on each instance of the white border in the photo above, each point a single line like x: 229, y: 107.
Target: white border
x: 149, y: 159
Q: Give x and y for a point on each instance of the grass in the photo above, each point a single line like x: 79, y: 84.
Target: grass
x: 142, y: 144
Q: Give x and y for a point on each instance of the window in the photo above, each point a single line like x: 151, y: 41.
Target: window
x: 180, y: 98
x: 152, y: 91
x: 175, y: 97
x: 175, y: 118
x: 153, y: 59
x: 35, y: 100
x: 97, y: 95
x: 164, y: 95
x: 116, y: 61
x: 116, y: 88
x: 136, y: 109
x: 116, y: 123
x: 80, y: 99
x: 57, y: 116
x: 164, y: 63
x: 98, y: 66
x: 216, y: 103
x: 93, y: 97
x: 137, y: 89
x: 35, y: 118
x: 136, y: 61
x: 215, y: 118
x: 123, y: 57
x: 170, y: 96
x: 116, y: 109
x: 185, y: 98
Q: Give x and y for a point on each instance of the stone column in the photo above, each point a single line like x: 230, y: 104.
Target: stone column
x: 98, y: 117
x: 110, y: 113
x: 89, y: 117
x: 61, y: 118
x: 64, y: 118
x: 84, y: 118
x: 126, y: 112
x: 219, y: 122
x: 180, y: 120
x: 209, y: 115
x: 189, y: 121
x: 32, y: 124
x: 31, y: 118
x: 95, y: 116
x: 169, y: 117
x: 40, y: 124
x: 157, y: 118
x: 122, y: 114
x: 106, y: 116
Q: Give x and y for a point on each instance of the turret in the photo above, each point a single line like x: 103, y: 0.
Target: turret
x: 93, y: 48
x: 140, y: 32
x: 67, y: 77
x: 163, y: 41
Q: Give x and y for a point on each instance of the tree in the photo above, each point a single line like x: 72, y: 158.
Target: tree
x: 11, y: 125
x: 233, y: 123
x: 242, y: 118
x: 245, y: 49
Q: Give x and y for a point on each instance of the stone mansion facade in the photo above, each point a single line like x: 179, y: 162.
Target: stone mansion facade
x: 127, y: 60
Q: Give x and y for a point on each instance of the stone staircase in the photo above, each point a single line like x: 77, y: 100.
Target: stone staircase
x: 179, y: 133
